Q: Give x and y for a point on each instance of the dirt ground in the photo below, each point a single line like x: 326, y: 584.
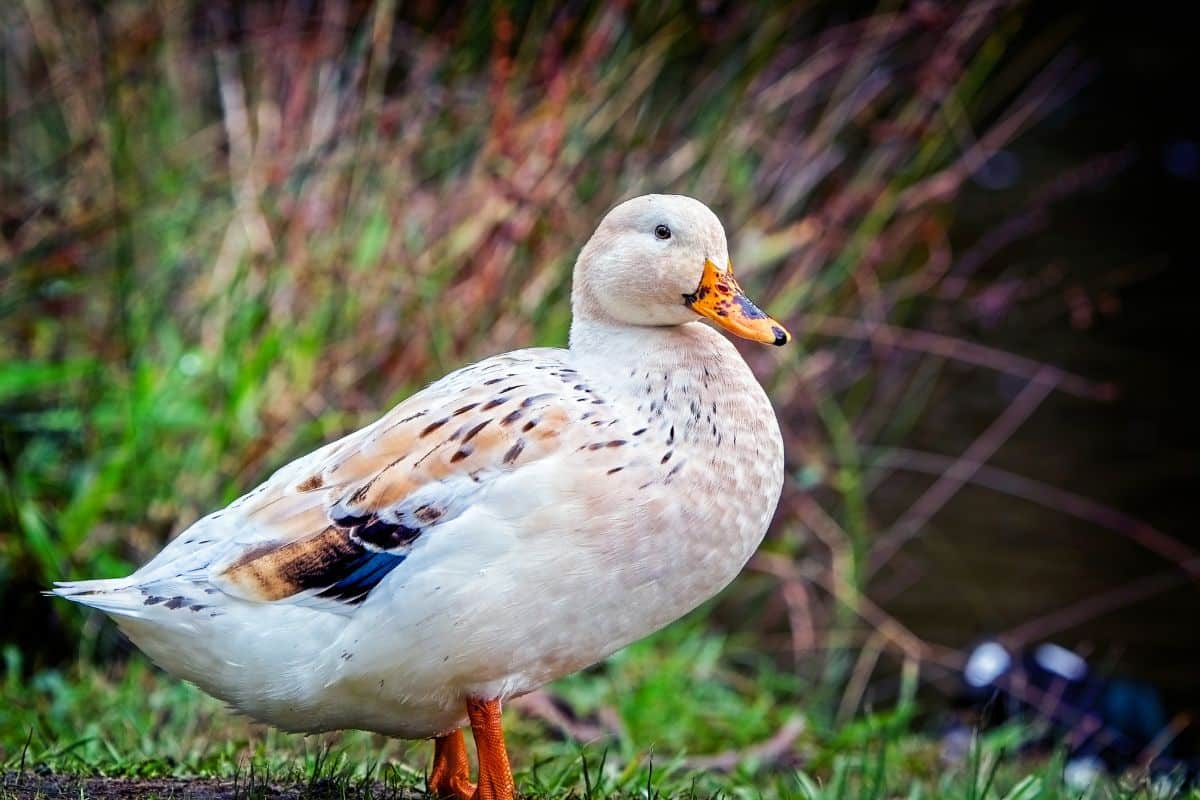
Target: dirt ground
x: 31, y: 786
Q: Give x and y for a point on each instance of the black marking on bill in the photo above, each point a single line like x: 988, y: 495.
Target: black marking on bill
x: 750, y: 310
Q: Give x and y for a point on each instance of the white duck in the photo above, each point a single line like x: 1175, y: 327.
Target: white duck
x: 517, y: 520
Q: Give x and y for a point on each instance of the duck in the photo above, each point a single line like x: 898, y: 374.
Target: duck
x: 518, y: 520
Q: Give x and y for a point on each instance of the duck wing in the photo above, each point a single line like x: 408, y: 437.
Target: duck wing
x: 327, y: 528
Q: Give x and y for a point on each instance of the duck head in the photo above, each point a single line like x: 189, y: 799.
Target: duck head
x: 662, y: 260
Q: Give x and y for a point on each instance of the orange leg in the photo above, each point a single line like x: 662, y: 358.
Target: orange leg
x: 451, y: 776
x: 495, y: 776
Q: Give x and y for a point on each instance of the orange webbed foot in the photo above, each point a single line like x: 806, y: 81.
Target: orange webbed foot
x: 495, y: 775
x: 451, y: 775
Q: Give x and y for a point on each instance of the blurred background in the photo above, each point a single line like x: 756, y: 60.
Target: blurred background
x: 231, y: 233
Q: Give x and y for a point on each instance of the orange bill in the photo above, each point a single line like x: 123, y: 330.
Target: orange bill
x: 719, y: 298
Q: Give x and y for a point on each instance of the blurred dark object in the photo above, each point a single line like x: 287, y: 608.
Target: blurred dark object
x: 1104, y: 723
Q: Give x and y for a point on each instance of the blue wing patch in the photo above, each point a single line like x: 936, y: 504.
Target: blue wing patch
x: 361, y: 573
x: 334, y: 565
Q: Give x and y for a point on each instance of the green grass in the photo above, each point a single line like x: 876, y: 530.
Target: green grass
x: 674, y: 698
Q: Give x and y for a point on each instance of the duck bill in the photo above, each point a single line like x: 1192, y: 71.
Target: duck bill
x: 719, y: 298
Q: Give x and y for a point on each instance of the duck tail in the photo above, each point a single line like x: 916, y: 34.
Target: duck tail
x: 112, y: 596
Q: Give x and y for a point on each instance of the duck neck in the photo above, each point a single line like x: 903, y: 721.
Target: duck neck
x: 692, y: 357
x: 597, y: 334
x: 617, y: 344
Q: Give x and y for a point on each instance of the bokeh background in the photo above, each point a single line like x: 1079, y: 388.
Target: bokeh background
x: 231, y: 233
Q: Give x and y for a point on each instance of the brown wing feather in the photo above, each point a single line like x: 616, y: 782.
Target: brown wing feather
x: 485, y: 420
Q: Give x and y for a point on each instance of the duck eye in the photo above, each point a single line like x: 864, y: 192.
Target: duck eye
x: 662, y: 232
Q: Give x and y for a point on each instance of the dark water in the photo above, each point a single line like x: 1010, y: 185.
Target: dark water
x: 988, y: 563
